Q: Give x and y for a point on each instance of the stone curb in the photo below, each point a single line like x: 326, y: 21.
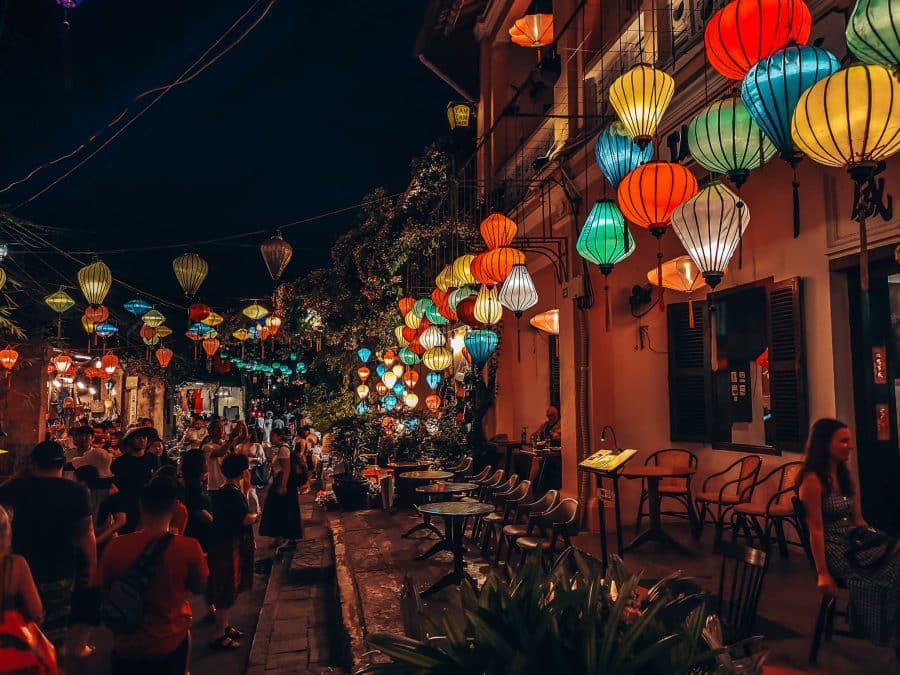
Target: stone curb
x: 351, y: 607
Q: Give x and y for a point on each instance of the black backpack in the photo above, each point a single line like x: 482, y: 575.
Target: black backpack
x: 122, y: 608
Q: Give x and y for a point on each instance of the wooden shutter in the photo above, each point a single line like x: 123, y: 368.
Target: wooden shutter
x: 689, y: 373
x: 787, y: 365
x: 554, y: 370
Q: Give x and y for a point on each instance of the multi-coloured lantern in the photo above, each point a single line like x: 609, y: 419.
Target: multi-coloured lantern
x: 640, y: 98
x: 274, y: 323
x: 518, y: 292
x: 95, y: 281
x: 481, y: 344
x: 276, y: 254
x: 438, y: 358
x: 362, y: 391
x: 411, y: 378
x: 617, y: 154
x: 497, y: 230
x: 389, y: 379
x: 381, y: 388
x: 190, y: 270
x: 61, y: 363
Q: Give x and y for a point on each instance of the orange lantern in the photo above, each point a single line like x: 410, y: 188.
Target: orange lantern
x: 680, y: 274
x: 411, y: 378
x: 8, y: 357
x: 94, y: 373
x: 110, y: 362
x: 498, y: 263
x: 164, y: 356
x: 535, y: 29
x: 273, y: 323
x: 389, y: 357
x: 210, y: 346
x: 363, y: 373
x: 96, y: 315
x: 477, y: 270
x: 198, y: 311
x: 147, y: 332
x: 381, y: 388
x: 416, y: 347
x: 406, y: 304
x: 497, y: 230
x: 264, y: 333
x: 650, y: 193
x: 433, y: 402
x: 409, y: 334
x: 61, y: 363
x: 437, y: 297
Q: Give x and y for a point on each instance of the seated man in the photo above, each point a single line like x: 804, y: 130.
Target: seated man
x: 549, y: 431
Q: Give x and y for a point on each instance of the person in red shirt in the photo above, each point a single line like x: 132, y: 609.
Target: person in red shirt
x: 162, y: 644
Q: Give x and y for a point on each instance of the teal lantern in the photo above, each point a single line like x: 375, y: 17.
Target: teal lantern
x: 301, y: 368
x: 138, y: 307
x: 364, y: 353
x: 105, y: 329
x: 873, y: 32
x: 435, y: 317
x: 433, y: 379
x: 293, y: 356
x: 276, y: 365
x: 399, y: 389
x: 389, y: 402
x: 362, y: 408
x: 724, y: 139
x: 617, y: 154
x: 409, y: 357
x: 481, y: 344
x: 422, y: 305
x: 200, y: 328
x: 381, y: 370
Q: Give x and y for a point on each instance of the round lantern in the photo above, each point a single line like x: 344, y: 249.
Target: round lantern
x: 364, y: 353
x: 617, y: 154
x: 109, y: 363
x: 389, y: 379
x: 488, y: 309
x: 648, y: 195
x: 535, y: 29
x: 198, y: 311
x: 518, y: 293
x: 8, y: 357
x: 744, y: 32
x: 432, y: 337
x: 210, y: 346
x: 154, y: 318
x: 481, y: 344
x: 497, y: 230
x: 411, y: 378
x: 438, y: 358
x: 381, y: 388
x: 410, y: 400
x: 462, y: 271
x: 95, y: 281
x: 498, y: 263
x: 255, y: 312
x: 96, y: 314
x: 401, y: 339
x: 363, y: 373
x: 723, y: 138
x: 61, y: 363
x: 60, y: 301
x: 421, y: 307
x: 190, y: 270
x: 362, y: 391
x: 138, y: 307
x: 710, y: 226
x: 640, y: 97
x: 433, y: 314
x: 409, y: 357
x: 433, y: 379
x: 406, y: 304
x: 873, y: 32
x: 458, y: 295
x: 433, y: 402
x: 466, y: 311
x: 389, y: 402
x: 412, y: 321
x: 276, y: 254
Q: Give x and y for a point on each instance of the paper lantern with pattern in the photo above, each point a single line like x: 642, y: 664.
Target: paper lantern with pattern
x: 95, y: 281
x: 497, y: 230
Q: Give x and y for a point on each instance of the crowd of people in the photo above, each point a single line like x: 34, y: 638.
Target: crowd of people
x: 111, y: 528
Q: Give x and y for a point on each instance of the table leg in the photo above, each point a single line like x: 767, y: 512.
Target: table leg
x: 615, y: 480
x: 604, y: 551
x: 454, y: 543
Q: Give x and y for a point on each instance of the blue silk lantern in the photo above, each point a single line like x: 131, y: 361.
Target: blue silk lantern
x: 435, y: 317
x: 433, y: 379
x: 399, y: 389
x: 362, y: 408
x: 105, y: 330
x: 409, y: 357
x: 200, y: 328
x: 254, y: 332
x: 389, y: 402
x: 412, y: 424
x: 301, y: 367
x: 364, y: 353
x: 381, y: 370
x: 138, y: 307
x: 617, y: 154
x: 481, y: 344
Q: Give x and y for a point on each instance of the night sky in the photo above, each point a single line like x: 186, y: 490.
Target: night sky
x: 320, y: 103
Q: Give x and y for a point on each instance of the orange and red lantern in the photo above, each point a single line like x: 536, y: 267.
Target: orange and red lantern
x: 406, y: 304
x: 96, y: 315
x: 465, y: 310
x: 164, y: 356
x: 497, y: 230
x: 411, y: 378
x: 61, y: 363
x: 433, y: 402
x: 274, y: 323
x: 8, y: 358
x: 363, y: 372
x: 648, y: 195
x: 109, y: 362
x: 210, y: 346
x: 147, y: 332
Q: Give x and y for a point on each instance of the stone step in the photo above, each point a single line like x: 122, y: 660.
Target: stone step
x: 312, y: 562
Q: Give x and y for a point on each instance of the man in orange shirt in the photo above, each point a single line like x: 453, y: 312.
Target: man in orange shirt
x: 162, y: 644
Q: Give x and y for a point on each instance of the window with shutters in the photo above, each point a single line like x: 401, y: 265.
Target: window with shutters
x: 553, y: 342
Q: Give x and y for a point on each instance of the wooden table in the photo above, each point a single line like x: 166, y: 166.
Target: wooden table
x: 454, y: 515
x: 653, y: 475
x: 400, y: 469
x: 435, y: 492
x: 403, y: 467
x: 429, y: 477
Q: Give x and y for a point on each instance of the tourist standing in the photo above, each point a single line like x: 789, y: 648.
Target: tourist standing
x: 195, y: 434
x: 281, y: 514
x: 214, y: 449
x: 132, y: 471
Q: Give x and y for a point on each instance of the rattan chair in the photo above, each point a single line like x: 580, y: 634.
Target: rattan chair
x: 760, y: 520
x: 678, y: 489
x: 736, y: 488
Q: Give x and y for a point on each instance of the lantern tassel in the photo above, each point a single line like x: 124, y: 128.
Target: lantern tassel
x: 662, y: 299
x: 606, y: 300
x: 740, y: 206
x: 690, y: 312
x: 195, y: 351
x: 795, y: 185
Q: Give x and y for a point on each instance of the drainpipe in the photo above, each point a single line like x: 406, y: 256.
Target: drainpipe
x: 445, y: 78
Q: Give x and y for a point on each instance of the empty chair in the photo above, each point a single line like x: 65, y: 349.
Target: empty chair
x: 740, y: 583
x: 678, y: 489
x: 506, y: 503
x: 463, y: 469
x: 738, y: 480
x: 521, y: 517
x: 763, y: 519
x: 551, y: 532
x: 481, y: 475
x: 487, y: 496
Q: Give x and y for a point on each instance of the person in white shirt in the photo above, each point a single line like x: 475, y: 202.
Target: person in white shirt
x: 214, y: 448
x: 195, y: 435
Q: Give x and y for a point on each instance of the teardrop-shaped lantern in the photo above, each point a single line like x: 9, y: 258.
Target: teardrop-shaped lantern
x: 432, y: 337
x: 364, y: 354
x: 410, y: 400
x: 744, y: 32
x: 399, y: 390
x: 640, y: 98
x: 380, y: 369
x: 95, y: 281
x: 138, y: 307
x: 488, y: 309
x: 723, y: 138
x: 276, y: 253
x: 481, y: 344
x: 389, y: 379
x: 710, y: 225
x: 60, y: 301
x: 389, y: 402
x: 497, y: 230
x: 210, y: 346
x: 8, y: 357
x: 604, y: 240
x: 362, y: 391
x: 648, y: 195
x: 398, y: 369
x: 462, y: 271
x: 546, y: 322
x: 433, y: 402
x: 518, y: 293
x: 154, y: 318
x: 438, y: 358
x: 109, y: 362
x: 433, y: 379
x: 164, y: 356
x: 190, y: 270
x: 363, y: 373
x: 411, y: 378
x: 87, y: 325
x: 873, y: 32
x: 617, y: 154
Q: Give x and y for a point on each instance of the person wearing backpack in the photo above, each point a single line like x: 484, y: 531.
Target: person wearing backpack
x: 146, y: 577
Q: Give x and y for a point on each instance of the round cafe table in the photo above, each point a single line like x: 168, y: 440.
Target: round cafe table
x: 412, y: 477
x: 653, y: 475
x: 454, y: 515
x: 437, y: 492
x: 401, y: 468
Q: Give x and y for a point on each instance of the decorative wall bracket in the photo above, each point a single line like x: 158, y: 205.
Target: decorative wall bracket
x: 554, y: 249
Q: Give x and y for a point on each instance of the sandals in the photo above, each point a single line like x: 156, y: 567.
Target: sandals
x: 234, y: 633
x: 224, y: 643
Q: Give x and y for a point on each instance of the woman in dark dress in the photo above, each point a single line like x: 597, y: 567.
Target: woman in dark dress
x: 281, y: 513
x: 230, y: 545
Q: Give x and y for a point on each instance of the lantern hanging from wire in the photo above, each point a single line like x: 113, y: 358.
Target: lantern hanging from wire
x: 8, y: 358
x: 95, y: 280
x: 200, y: 329
x: 433, y: 379
x: 255, y: 312
x: 211, y: 346
x: 433, y: 402
x: 640, y: 98
x: 274, y: 323
x: 198, y: 312
x: 87, y: 325
x: 164, y: 356
x: 723, y: 138
x: 61, y: 363
x: 481, y: 344
x: 681, y: 275
x: 433, y: 314
x: 389, y: 379
x: 851, y: 119
x: 59, y: 302
x: 163, y: 331
x: 213, y: 319
x: 535, y: 29
x: 190, y: 270
x: 605, y: 241
x: 109, y: 362
x: 437, y: 358
x: 458, y: 295
x: 154, y: 318
x: 363, y: 373
x: 96, y: 314
x: 421, y: 306
x: 744, y: 32
x: 432, y: 337
x: 364, y: 354
x: 105, y: 329
x: 488, y: 309
x: 518, y: 293
x: 497, y: 230
x: 276, y: 254
x: 362, y: 391
x: 462, y: 271
x: 546, y: 322
x: 617, y: 154
x: 138, y: 307
x: 410, y: 400
x: 147, y: 332
x: 873, y: 32
x: 710, y: 225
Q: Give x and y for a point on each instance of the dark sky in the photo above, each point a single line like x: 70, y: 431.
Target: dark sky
x: 320, y: 103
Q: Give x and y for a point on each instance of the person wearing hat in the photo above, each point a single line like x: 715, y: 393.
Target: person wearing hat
x: 132, y: 471
x: 85, y: 454
x: 53, y: 530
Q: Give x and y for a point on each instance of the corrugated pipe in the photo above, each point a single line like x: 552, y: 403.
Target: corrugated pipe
x: 582, y: 406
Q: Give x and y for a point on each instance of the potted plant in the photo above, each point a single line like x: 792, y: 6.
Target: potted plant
x: 351, y: 437
x: 446, y: 439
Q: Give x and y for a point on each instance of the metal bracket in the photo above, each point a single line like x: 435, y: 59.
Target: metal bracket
x: 554, y: 249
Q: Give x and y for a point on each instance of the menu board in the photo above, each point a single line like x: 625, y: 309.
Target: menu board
x: 607, y: 460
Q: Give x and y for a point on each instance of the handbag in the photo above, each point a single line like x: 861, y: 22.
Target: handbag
x: 868, y: 548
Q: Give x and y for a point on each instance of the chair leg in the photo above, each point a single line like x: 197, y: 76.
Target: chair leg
x: 500, y: 539
x: 782, y: 540
x: 640, y: 513
x: 818, y: 631
x: 720, y: 528
x: 738, y: 524
x: 486, y: 539
x: 701, y: 519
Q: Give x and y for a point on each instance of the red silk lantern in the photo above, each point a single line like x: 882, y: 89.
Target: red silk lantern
x: 478, y: 272
x: 198, y: 311
x: 363, y: 373
x: 110, y: 362
x: 264, y: 333
x: 466, y: 311
x: 648, y: 195
x: 437, y: 297
x: 381, y: 388
x: 61, y: 363
x: 164, y: 356
x: 221, y: 366
x: 147, y: 332
x: 416, y: 347
x: 406, y: 304
x: 94, y: 373
x: 433, y: 402
x: 467, y: 356
x: 210, y: 346
x: 411, y: 378
x: 498, y: 263
x: 96, y: 315
x: 744, y: 32
x: 409, y: 334
x: 389, y: 357
x: 8, y: 358
x: 273, y: 323
x: 497, y: 230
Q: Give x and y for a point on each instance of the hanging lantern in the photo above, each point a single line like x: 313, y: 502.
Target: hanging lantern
x: 389, y: 402
x: 680, y: 274
x: 154, y: 318
x: 648, y: 195
x: 462, y: 271
x: 458, y: 295
x: 421, y: 306
x: 443, y: 280
x: 362, y: 391
x: 255, y: 312
x: 488, y: 309
x: 274, y: 323
x: 138, y: 307
x: 264, y: 333
x: 152, y: 342
x: 640, y: 98
x: 411, y: 378
x: 497, y: 230
x: 163, y: 331
x: 362, y: 408
x: 190, y: 270
x: 406, y: 304
x: 546, y: 322
x: 198, y: 311
x: 105, y: 329
x: 2, y: 277
x: 164, y: 356
x: 433, y: 314
x: 87, y: 324
x: 388, y: 357
x: 438, y: 358
x: 96, y: 314
x: 480, y: 345
x: 459, y: 115
x: 433, y: 402
x: 466, y: 312
x: 60, y: 301
x: 276, y: 253
x: 535, y: 29
x: 410, y: 400
x: 363, y: 353
x: 518, y: 293
x: 433, y: 379
x: 241, y: 334
x: 398, y: 369
x: 873, y: 32
x: 617, y: 154
x: 432, y: 337
x: 61, y: 363
x: 723, y: 138
x: 381, y: 388
x: 109, y: 363
x: 497, y: 263
x: 409, y: 357
x: 210, y: 346
x: 744, y: 32
x: 412, y: 321
x: 363, y: 373
x: 8, y: 357
x: 710, y: 226
x: 398, y: 389
x: 201, y: 329
x: 380, y: 370
x: 213, y: 319
x: 95, y: 281
x: 389, y: 379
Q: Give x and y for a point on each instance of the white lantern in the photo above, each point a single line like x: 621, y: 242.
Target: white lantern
x: 518, y: 292
x: 431, y: 337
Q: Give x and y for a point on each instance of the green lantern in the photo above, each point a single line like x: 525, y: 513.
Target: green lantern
x: 873, y: 32
x: 724, y: 139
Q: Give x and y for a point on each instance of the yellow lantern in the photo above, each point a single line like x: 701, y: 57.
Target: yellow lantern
x: 488, y: 309
x: 444, y: 280
x: 87, y: 324
x: 241, y: 334
x: 411, y: 400
x: 461, y: 271
x: 163, y: 331
x: 438, y: 358
x: 412, y: 321
x: 362, y: 391
x: 401, y: 341
x: 547, y: 322
x: 59, y: 302
x: 190, y: 270
x: 255, y: 312
x: 95, y: 281
x: 154, y: 318
x: 213, y: 319
x: 640, y: 98
x: 459, y: 115
x: 2, y: 278
x: 389, y: 379
x: 398, y: 370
